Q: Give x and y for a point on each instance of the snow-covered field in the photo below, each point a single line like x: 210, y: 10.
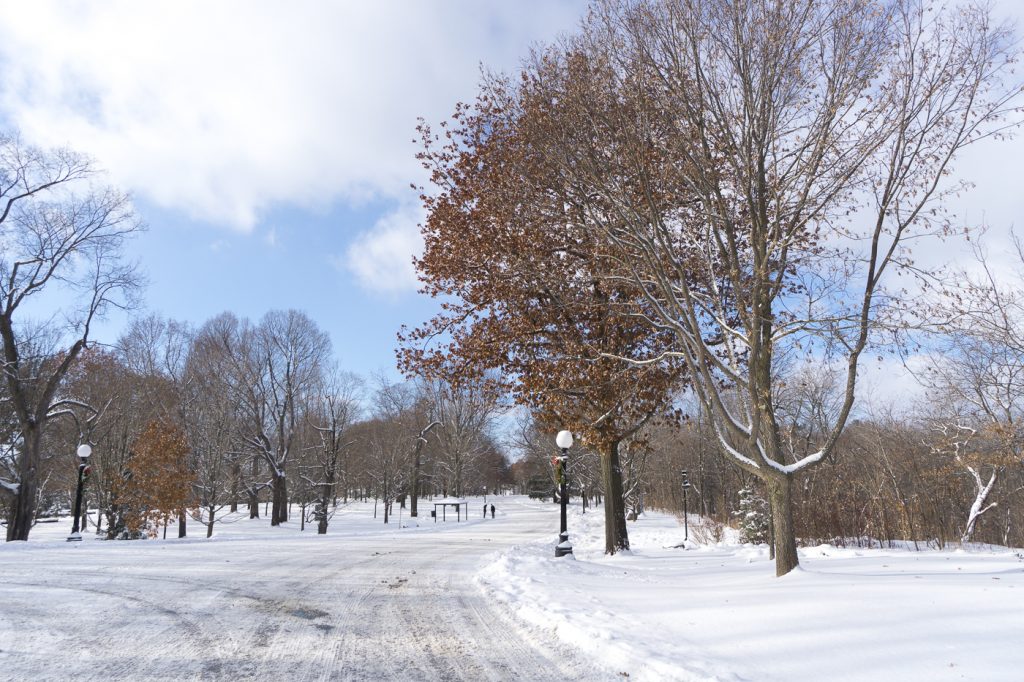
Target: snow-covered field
x: 718, y: 612
x: 487, y: 600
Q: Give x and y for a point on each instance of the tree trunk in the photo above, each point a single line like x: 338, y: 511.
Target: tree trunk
x: 414, y: 488
x: 254, y: 502
x: 326, y: 492
x: 321, y: 525
x: 457, y: 483
x: 181, y: 523
x: 111, y: 522
x: 23, y: 509
x: 616, y: 537
x: 978, y: 506
x: 209, y: 524
x: 780, y: 493
x: 279, y: 514
x: 236, y: 477
x: 83, y: 522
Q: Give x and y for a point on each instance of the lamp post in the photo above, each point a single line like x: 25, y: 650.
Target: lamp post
x: 564, y: 441
x: 83, y: 470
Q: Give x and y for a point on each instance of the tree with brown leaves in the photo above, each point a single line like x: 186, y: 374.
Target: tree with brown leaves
x: 523, y: 274
x: 156, y: 484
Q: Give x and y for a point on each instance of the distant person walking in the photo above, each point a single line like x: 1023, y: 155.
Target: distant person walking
x: 485, y: 510
x: 492, y: 512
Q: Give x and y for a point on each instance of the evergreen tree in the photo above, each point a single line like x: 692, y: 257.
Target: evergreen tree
x: 752, y: 517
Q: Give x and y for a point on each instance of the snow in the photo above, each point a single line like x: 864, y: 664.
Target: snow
x: 364, y: 602
x: 487, y: 599
x: 803, y: 463
x: 661, y: 612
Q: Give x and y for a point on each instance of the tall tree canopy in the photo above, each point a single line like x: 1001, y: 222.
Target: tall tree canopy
x: 523, y: 276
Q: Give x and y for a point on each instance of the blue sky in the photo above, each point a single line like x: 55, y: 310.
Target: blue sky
x: 196, y: 271
x: 268, y: 145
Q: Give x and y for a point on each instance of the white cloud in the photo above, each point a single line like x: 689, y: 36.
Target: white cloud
x: 224, y: 109
x: 889, y: 383
x: 381, y: 258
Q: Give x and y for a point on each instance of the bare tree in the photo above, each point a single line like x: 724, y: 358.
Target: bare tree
x: 535, y: 473
x: 394, y: 438
x: 977, y: 377
x: 154, y: 349
x: 417, y: 467
x: 212, y: 422
x: 974, y: 452
x: 332, y: 411
x: 466, y: 414
x: 59, y: 231
x: 276, y: 364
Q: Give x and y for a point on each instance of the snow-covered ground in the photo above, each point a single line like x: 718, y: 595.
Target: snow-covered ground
x: 487, y: 600
x: 718, y: 612
x: 365, y: 602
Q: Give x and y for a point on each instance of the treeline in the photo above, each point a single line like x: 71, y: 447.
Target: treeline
x: 891, y: 482
x: 887, y: 485
x: 195, y: 423
x: 191, y: 422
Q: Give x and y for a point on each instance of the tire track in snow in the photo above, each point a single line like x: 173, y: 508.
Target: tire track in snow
x: 154, y: 638
x: 392, y: 605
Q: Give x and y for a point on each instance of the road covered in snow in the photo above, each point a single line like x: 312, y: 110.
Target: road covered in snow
x: 365, y: 602
x: 487, y: 600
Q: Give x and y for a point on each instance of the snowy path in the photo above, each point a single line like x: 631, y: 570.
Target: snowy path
x: 373, y: 606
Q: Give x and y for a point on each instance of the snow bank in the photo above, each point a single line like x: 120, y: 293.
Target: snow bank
x: 661, y: 612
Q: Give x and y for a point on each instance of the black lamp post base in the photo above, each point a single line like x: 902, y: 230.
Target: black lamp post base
x: 564, y: 546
